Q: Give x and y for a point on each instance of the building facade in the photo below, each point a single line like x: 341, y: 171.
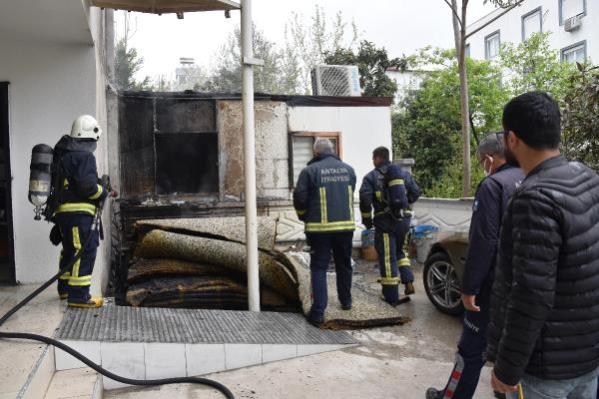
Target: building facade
x: 573, y: 25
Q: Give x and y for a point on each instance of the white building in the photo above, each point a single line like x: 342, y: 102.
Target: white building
x: 406, y: 80
x: 574, y: 25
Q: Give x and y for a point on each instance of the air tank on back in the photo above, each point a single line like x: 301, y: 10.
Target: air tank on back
x: 40, y: 178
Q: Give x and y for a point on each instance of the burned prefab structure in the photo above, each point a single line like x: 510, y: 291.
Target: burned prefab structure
x: 180, y: 155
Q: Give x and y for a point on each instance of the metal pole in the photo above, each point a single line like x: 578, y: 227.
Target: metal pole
x: 249, y: 147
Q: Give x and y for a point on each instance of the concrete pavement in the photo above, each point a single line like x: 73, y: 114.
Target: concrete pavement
x: 393, y: 362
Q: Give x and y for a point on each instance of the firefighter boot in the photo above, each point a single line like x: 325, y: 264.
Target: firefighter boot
x: 92, y: 302
x: 409, y: 289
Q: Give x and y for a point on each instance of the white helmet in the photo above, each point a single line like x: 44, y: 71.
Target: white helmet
x: 86, y: 127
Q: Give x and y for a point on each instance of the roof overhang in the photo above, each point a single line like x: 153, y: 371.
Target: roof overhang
x: 167, y: 6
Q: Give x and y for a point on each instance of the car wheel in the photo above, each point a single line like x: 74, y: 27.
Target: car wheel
x: 442, y: 284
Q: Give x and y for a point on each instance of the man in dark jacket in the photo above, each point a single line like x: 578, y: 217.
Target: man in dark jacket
x: 390, y: 191
x: 490, y: 203
x: 544, y: 327
x: 77, y: 197
x: 324, y: 200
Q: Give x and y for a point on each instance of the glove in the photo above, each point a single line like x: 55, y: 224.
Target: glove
x: 113, y: 194
x: 55, y: 236
x: 367, y: 223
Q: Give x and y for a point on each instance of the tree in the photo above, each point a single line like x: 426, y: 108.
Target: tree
x: 227, y: 77
x: 372, y: 63
x: 427, y: 127
x: 459, y: 19
x: 581, y: 116
x: 127, y: 64
x: 533, y: 65
x: 305, y: 47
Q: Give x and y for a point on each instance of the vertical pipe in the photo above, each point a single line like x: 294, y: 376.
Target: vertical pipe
x: 249, y: 147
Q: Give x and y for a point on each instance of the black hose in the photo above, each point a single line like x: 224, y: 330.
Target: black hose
x: 34, y: 337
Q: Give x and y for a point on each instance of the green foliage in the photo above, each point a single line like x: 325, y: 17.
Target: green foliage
x: 427, y: 125
x: 127, y: 63
x: 581, y: 117
x: 428, y: 128
x: 533, y: 65
x: 372, y: 63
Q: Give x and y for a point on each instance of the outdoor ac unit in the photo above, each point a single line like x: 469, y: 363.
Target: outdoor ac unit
x: 573, y: 23
x: 336, y: 80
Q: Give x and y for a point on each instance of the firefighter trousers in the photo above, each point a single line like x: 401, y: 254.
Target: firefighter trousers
x: 394, y: 264
x: 321, y: 246
x: 77, y: 230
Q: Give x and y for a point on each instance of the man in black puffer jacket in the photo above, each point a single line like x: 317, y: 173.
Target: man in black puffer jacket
x: 544, y: 328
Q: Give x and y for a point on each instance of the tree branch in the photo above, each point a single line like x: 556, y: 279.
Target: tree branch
x: 494, y: 19
x: 455, y: 14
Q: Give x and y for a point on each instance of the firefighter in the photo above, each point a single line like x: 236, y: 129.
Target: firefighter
x: 324, y: 200
x: 390, y: 191
x: 77, y: 197
x: 490, y: 202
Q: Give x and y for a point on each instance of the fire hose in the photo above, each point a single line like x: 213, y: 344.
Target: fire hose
x: 50, y: 341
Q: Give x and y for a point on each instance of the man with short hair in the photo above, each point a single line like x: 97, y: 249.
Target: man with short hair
x: 490, y: 202
x: 390, y: 191
x: 324, y: 200
x: 544, y: 327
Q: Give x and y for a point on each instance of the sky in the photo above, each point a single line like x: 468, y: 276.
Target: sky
x: 401, y: 26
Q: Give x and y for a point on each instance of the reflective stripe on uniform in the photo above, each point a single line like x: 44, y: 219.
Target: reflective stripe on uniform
x: 84, y: 281
x: 301, y: 212
x: 366, y: 214
x: 404, y: 262
x: 396, y: 182
x: 330, y: 227
x: 323, y: 205
x: 351, y: 202
x: 65, y: 275
x: 379, y: 196
x: 77, y: 207
x: 98, y: 193
x: 389, y: 280
x: 387, y: 256
x: 77, y: 246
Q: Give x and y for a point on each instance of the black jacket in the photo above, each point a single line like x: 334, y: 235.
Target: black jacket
x: 545, y: 297
x: 324, y: 195
x: 490, y: 203
x: 79, y: 190
x: 388, y: 188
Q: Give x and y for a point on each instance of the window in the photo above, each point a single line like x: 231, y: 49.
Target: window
x: 492, y: 45
x: 302, y: 144
x: 575, y: 53
x: 571, y: 8
x: 467, y: 50
x: 532, y: 23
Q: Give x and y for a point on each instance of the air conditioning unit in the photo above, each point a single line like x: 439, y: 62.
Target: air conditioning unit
x: 571, y: 24
x: 336, y: 80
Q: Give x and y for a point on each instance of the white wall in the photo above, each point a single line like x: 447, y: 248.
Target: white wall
x: 406, y: 82
x: 50, y: 84
x: 362, y: 129
x: 510, y: 26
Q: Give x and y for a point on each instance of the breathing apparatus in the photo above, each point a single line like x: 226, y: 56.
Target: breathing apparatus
x: 43, y: 192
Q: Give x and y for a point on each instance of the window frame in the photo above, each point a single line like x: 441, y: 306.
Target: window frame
x: 489, y: 36
x: 561, y: 11
x: 337, y: 135
x: 528, y: 14
x: 582, y: 43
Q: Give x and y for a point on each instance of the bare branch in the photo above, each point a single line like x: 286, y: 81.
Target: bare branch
x: 455, y: 14
x: 495, y: 18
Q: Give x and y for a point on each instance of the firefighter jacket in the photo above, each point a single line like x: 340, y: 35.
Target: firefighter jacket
x: 79, y: 190
x: 324, y: 195
x: 390, y: 191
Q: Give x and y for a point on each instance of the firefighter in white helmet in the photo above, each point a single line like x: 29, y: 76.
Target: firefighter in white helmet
x: 76, y: 196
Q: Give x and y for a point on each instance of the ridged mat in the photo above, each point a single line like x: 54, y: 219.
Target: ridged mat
x: 113, y: 323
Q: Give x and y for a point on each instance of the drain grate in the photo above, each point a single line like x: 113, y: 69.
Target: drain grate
x: 113, y: 323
